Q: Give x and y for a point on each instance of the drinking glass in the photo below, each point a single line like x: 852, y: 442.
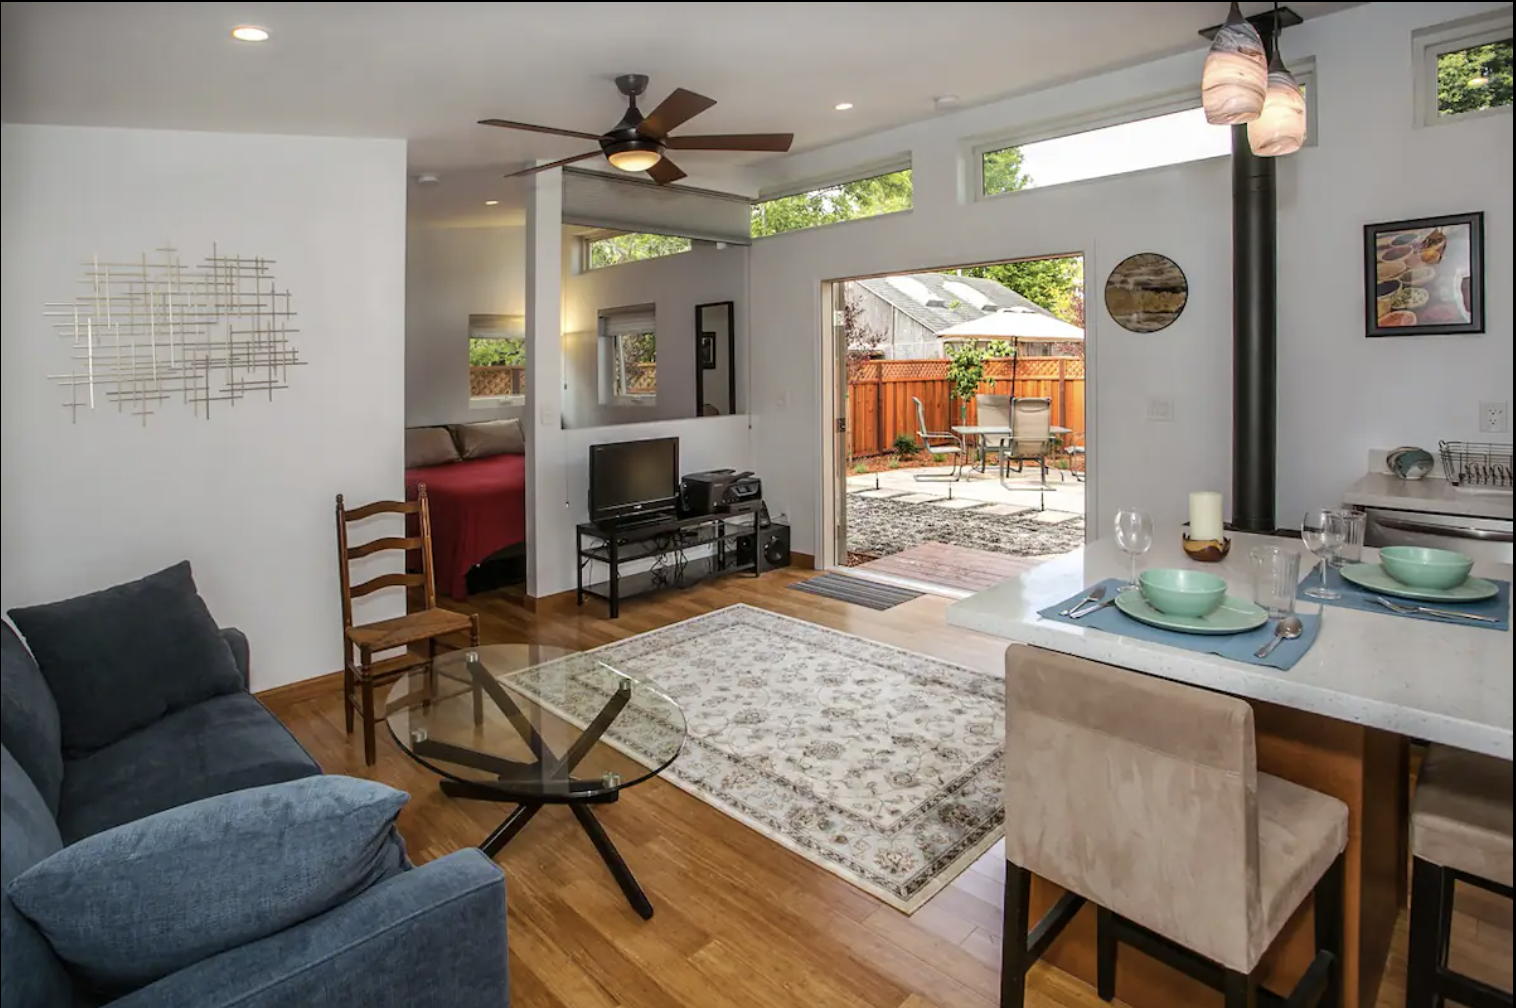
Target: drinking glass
x: 1276, y: 576
x: 1323, y: 533
x: 1354, y: 524
x: 1134, y: 534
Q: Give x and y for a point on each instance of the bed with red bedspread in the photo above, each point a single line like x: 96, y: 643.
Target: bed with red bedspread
x: 478, y: 507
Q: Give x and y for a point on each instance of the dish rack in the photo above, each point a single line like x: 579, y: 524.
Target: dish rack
x: 1476, y: 465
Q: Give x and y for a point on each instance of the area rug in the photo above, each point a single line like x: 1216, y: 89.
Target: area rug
x: 881, y: 765
x: 885, y: 527
x: 857, y: 591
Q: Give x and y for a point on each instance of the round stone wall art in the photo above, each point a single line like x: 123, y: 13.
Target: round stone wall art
x: 1146, y: 292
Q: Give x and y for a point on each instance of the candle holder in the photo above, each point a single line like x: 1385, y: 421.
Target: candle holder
x: 1206, y: 550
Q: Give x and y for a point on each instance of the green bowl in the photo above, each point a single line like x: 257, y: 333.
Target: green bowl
x: 1420, y: 567
x: 1180, y: 592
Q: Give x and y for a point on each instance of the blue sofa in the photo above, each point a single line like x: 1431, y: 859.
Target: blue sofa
x: 431, y: 936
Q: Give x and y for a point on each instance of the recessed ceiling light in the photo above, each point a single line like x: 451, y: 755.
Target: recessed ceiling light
x: 250, y: 33
x: 491, y: 202
x: 945, y: 101
x: 843, y: 106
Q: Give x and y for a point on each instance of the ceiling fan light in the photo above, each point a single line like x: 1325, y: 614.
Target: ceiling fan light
x: 1235, y: 81
x: 1280, y: 128
x: 638, y: 159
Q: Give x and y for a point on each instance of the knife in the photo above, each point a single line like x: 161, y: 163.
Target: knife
x: 1090, y: 599
x: 1093, y: 609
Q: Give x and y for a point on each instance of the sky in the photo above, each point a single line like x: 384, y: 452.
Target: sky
x: 1148, y: 143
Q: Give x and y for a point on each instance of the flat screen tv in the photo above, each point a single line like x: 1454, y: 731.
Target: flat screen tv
x: 631, y: 478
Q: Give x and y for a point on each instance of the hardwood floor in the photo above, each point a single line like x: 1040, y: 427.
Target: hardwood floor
x: 741, y: 922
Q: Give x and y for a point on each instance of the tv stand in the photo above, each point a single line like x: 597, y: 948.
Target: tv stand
x: 666, y: 543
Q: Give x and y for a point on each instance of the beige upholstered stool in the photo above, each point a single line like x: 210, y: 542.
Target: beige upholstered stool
x: 1143, y: 796
x: 1460, y: 832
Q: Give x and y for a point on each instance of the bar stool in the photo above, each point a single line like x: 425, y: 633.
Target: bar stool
x: 1143, y: 797
x: 1460, y: 832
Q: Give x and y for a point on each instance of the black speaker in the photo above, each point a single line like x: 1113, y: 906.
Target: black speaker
x: 776, y: 546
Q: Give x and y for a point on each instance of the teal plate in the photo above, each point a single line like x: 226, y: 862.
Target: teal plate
x: 1373, y: 577
x: 1233, y: 617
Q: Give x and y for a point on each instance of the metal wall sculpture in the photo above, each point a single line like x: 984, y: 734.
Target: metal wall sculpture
x: 154, y: 331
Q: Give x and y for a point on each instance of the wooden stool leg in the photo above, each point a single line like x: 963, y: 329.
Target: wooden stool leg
x: 347, y: 691
x: 1014, y: 961
x: 1431, y: 910
x: 1241, y: 990
x: 1329, y: 921
x: 1106, y: 948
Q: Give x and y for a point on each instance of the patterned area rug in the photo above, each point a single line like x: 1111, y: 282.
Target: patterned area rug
x: 884, y: 527
x: 881, y: 765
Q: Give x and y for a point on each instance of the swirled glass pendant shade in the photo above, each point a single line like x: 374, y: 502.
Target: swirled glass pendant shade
x: 1280, y: 128
x: 1235, y: 80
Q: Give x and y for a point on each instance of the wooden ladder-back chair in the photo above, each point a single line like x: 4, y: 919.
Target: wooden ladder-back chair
x: 424, y: 625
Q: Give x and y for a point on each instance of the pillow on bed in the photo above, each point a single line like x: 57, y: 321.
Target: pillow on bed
x: 492, y: 437
x: 429, y: 446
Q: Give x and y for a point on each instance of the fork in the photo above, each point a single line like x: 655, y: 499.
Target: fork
x: 1406, y: 610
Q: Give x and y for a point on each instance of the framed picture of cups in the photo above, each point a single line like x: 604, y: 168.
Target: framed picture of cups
x: 1425, y: 277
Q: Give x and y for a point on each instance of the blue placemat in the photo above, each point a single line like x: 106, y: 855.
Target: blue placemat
x: 1238, y: 647
x: 1354, y: 597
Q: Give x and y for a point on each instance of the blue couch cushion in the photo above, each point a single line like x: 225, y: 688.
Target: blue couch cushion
x: 120, y: 659
x: 225, y: 744
x: 30, y: 975
x: 29, y: 717
x: 138, y: 902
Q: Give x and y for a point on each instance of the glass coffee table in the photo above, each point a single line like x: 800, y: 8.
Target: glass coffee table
x: 533, y: 726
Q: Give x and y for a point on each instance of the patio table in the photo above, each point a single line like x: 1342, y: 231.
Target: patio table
x: 985, y: 433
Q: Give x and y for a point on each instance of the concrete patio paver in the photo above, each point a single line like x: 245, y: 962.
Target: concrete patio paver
x: 958, y: 504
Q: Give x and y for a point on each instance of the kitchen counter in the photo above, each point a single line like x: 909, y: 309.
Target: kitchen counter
x: 1430, y: 496
x: 1426, y: 680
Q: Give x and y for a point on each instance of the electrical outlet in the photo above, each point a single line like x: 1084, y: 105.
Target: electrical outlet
x: 1160, y: 410
x: 1494, y: 418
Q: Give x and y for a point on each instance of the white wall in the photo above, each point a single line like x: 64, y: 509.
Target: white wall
x: 1333, y: 401
x: 450, y: 274
x: 247, y: 495
x: 674, y: 285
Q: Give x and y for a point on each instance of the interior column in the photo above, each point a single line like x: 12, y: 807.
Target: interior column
x: 546, y: 485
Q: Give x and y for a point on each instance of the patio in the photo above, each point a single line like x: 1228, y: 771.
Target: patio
x: 890, y: 512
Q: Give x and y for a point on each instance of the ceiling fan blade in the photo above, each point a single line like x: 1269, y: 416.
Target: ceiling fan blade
x: 733, y: 141
x: 677, y: 109
x: 553, y: 164
x: 665, y: 171
x: 507, y: 124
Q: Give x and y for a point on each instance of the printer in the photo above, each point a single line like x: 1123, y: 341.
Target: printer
x: 717, y: 491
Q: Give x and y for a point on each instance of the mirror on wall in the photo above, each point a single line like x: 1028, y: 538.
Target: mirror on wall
x: 715, y: 359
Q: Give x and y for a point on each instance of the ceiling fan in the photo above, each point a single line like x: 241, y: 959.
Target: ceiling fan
x: 637, y: 143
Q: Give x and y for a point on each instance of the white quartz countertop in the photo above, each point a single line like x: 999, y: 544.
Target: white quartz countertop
x: 1431, y: 496
x: 1434, y: 681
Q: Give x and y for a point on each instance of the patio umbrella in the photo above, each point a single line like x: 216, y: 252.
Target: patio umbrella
x: 1015, y: 325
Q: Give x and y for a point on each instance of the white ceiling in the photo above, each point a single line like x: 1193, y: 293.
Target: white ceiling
x: 427, y: 71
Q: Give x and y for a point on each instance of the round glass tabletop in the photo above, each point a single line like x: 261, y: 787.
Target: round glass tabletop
x: 538, y: 723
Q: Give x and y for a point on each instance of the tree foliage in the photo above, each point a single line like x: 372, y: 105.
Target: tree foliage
x: 965, y: 373
x: 1004, y: 171
x: 505, y: 352
x: 864, y: 198
x: 861, y: 340
x: 1048, y: 283
x: 1473, y: 79
x: 631, y: 247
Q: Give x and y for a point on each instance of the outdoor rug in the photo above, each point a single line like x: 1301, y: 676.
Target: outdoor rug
x: 881, y: 765
x: 858, y: 591
x: 884, y: 527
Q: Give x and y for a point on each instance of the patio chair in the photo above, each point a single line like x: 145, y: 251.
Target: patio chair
x: 1072, y: 445
x: 936, y: 451
x: 1031, y: 436
x: 994, y: 411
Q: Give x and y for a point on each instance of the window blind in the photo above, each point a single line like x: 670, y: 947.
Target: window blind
x: 628, y: 321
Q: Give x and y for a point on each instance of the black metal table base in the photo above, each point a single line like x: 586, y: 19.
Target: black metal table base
x: 549, y: 779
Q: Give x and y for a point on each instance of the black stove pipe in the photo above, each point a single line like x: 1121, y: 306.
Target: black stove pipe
x: 1255, y: 354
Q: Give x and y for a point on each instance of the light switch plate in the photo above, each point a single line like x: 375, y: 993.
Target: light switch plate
x: 1160, y: 410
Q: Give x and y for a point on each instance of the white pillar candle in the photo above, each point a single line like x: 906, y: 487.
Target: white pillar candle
x: 1205, y: 516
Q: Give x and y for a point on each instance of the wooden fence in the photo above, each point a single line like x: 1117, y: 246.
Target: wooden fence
x: 880, y: 406
x: 497, y: 380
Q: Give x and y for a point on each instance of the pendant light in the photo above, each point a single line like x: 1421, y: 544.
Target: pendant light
x: 1235, y: 80
x: 1280, y: 128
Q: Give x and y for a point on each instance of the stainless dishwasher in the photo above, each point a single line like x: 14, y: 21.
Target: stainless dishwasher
x: 1481, y: 538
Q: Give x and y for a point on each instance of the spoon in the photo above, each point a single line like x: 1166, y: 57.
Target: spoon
x: 1287, y: 629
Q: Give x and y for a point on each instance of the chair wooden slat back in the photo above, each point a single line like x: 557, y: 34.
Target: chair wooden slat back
x: 422, y: 540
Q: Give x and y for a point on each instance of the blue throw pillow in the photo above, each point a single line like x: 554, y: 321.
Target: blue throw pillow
x: 133, y: 904
x: 117, y: 660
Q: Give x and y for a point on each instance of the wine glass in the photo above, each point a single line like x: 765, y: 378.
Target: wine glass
x: 1134, y: 534
x: 1323, y: 533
